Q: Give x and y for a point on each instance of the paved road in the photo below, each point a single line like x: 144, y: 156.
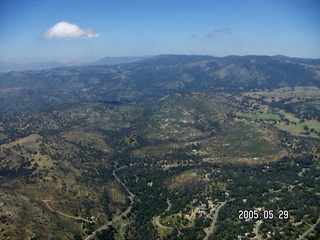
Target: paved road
x: 214, y: 220
x: 256, y: 229
x: 131, y: 197
x: 157, y: 220
x: 109, y: 223
x: 306, y: 233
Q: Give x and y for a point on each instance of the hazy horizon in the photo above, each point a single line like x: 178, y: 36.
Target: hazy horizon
x: 86, y: 31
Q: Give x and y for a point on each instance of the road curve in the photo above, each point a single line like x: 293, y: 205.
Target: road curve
x: 64, y: 214
x: 157, y: 219
x: 214, y: 220
x: 131, y: 196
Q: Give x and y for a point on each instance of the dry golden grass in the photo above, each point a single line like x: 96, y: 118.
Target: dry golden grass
x: 88, y: 138
x: 287, y: 92
x: 31, y: 142
x: 184, y: 179
x: 116, y: 195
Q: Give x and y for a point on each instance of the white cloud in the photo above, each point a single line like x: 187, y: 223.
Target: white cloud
x: 65, y: 30
x: 218, y: 32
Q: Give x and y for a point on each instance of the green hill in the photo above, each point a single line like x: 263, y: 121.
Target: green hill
x: 151, y: 149
x: 153, y: 78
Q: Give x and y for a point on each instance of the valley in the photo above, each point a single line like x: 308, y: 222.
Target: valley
x: 175, y: 147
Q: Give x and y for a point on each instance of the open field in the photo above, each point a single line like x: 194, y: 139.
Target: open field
x: 287, y: 92
x: 281, y: 109
x: 196, y: 151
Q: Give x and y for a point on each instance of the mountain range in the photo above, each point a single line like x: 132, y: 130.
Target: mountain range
x: 168, y: 147
x: 153, y: 78
x: 9, y: 66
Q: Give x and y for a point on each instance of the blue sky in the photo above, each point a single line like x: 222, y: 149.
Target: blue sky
x: 76, y: 30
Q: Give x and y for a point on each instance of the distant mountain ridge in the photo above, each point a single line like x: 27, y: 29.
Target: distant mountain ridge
x: 7, y: 67
x: 154, y: 78
x: 117, y: 60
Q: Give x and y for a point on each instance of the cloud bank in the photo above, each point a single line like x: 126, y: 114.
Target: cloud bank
x: 218, y: 32
x: 65, y: 30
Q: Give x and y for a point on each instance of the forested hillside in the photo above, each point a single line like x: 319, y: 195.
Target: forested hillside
x: 172, y: 147
x: 152, y: 78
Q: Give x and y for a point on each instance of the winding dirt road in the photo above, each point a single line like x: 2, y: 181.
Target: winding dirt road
x: 63, y: 214
x: 131, y: 196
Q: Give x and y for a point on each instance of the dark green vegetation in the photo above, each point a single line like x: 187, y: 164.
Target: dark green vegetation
x: 152, y: 78
x: 171, y: 139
